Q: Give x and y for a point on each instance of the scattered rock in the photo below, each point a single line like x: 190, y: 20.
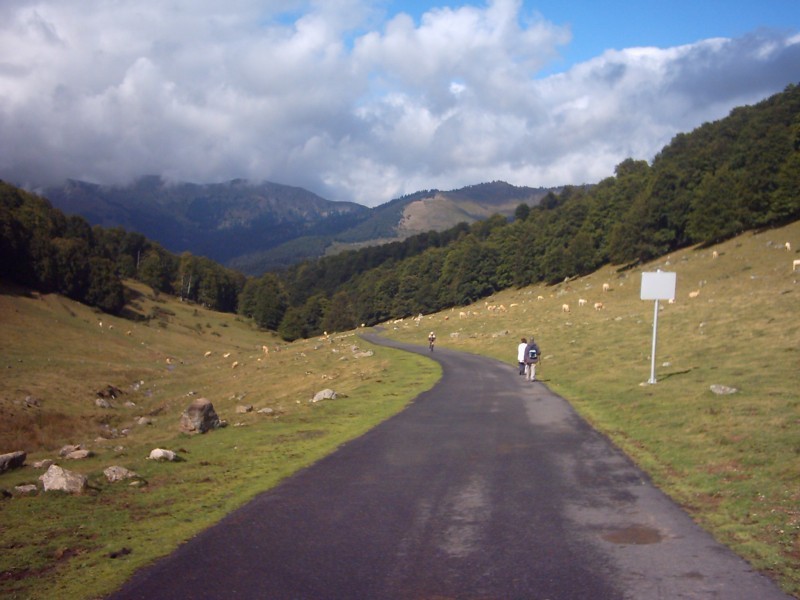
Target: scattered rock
x: 43, y: 464
x: 266, y: 411
x: 12, y: 460
x: 199, y: 417
x: 102, y: 403
x: 161, y: 454
x: 26, y: 490
x: 117, y: 473
x: 67, y: 449
x: 58, y: 479
x: 723, y: 390
x: 326, y: 394
x: 32, y: 402
x: 246, y: 408
x: 110, y: 392
x: 144, y: 421
x: 79, y: 454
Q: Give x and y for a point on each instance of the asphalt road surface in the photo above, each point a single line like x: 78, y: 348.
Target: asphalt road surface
x: 486, y: 487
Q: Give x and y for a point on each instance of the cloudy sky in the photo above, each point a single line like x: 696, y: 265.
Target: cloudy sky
x: 367, y: 100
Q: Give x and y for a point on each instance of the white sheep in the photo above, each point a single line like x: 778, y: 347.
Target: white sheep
x: 788, y: 247
x: 795, y: 264
x: 694, y: 294
x: 582, y: 301
x: 598, y: 306
x: 606, y: 287
x: 565, y: 308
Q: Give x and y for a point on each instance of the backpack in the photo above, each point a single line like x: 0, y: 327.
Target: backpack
x: 533, y: 354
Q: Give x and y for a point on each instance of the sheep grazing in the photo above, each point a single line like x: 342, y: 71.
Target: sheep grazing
x: 795, y: 265
x: 582, y: 301
x: 598, y: 306
x: 694, y: 294
x: 606, y: 287
x: 540, y: 297
x: 715, y: 254
x: 565, y: 308
x: 462, y: 315
x: 207, y: 354
x: 788, y: 247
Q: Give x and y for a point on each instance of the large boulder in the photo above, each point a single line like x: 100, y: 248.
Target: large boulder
x: 199, y: 417
x: 12, y: 460
x: 58, y: 479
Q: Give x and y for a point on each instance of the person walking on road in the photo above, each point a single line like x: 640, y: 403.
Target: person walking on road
x: 521, y: 355
x: 531, y: 358
x: 431, y: 340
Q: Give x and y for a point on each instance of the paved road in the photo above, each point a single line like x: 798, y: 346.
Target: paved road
x: 487, y: 487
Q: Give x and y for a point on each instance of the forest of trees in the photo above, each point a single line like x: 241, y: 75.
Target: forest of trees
x: 726, y: 177
x: 45, y: 250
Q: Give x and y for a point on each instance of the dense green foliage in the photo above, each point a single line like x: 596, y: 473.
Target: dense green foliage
x: 45, y: 250
x: 726, y: 177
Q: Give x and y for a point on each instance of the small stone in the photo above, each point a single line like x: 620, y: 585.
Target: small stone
x: 161, y: 454
x: 327, y: 394
x: 723, y: 390
x: 79, y: 454
x: 26, y: 490
x: 12, y: 460
x: 117, y: 473
x: 246, y: 408
x: 67, y: 449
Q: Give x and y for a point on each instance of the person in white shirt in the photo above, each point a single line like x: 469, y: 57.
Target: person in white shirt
x: 521, y: 355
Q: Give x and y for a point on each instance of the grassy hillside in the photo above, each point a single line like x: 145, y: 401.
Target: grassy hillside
x: 733, y: 461
x: 57, y: 355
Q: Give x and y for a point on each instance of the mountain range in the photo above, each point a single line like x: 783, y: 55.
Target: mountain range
x: 257, y: 227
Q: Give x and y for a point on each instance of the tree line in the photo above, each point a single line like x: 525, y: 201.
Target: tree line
x: 724, y: 178
x: 48, y: 251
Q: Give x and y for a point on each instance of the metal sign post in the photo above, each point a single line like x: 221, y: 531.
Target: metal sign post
x: 657, y: 286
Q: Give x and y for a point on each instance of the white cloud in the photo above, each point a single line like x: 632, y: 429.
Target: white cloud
x: 323, y: 95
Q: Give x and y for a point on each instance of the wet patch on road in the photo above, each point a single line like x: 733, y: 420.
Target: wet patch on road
x: 634, y: 534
